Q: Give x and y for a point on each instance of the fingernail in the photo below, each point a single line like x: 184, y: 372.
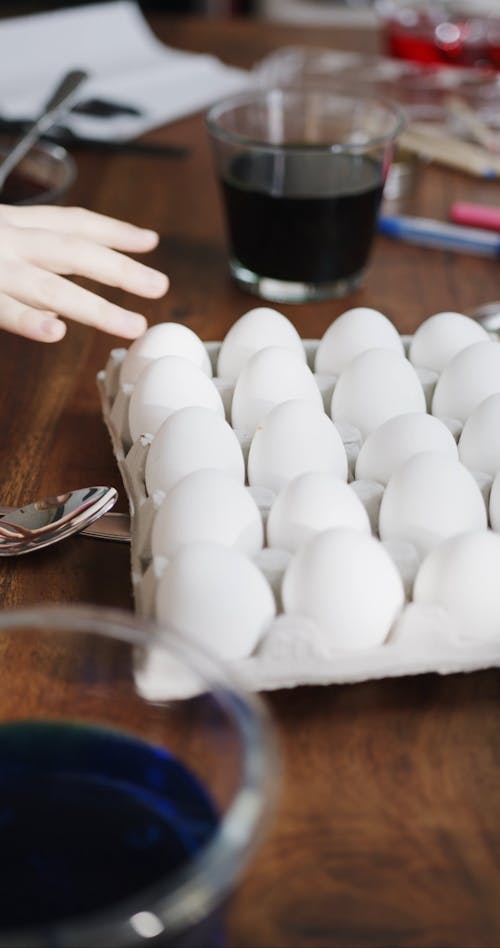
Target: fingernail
x: 149, y: 237
x: 133, y: 324
x: 157, y: 281
x: 53, y: 328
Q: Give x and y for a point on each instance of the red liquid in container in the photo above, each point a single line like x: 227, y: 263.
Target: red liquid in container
x: 467, y: 42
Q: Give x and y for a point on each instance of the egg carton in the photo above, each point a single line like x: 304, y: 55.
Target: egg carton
x: 293, y: 651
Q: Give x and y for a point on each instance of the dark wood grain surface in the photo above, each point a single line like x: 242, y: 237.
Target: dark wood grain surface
x: 388, y: 826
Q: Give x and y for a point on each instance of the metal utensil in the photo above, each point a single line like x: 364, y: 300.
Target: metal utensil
x: 110, y: 526
x: 487, y: 315
x: 57, y: 103
x: 47, y: 521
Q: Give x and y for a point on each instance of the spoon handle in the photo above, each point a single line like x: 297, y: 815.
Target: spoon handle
x: 52, y: 110
x: 111, y: 526
x: 488, y: 316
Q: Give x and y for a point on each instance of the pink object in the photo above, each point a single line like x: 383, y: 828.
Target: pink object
x: 475, y: 215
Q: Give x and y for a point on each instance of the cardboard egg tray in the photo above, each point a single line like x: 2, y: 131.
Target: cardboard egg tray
x: 293, y: 651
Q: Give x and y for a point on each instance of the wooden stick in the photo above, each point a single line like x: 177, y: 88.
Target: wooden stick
x: 478, y: 129
x: 431, y: 143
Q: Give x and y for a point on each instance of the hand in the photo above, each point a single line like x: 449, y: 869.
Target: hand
x: 40, y: 245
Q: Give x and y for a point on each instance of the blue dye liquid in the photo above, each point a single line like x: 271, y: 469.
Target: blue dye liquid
x: 89, y: 818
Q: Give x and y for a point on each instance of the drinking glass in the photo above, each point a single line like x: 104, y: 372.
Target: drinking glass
x: 301, y: 170
x: 135, y: 780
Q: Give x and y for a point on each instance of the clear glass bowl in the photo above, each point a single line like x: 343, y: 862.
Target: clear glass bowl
x: 84, y: 673
x: 42, y: 177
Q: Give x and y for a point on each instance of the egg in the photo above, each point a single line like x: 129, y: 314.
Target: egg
x: 479, y: 443
x: 347, y: 583
x: 350, y: 334
x: 441, y: 336
x: 461, y: 575
x: 470, y: 377
x: 294, y: 437
x: 207, y: 505
x: 430, y: 497
x: 375, y: 386
x: 309, y: 504
x: 270, y: 376
x: 161, y: 340
x: 217, y: 597
x: 494, y: 503
x: 255, y: 330
x: 188, y: 440
x: 165, y: 385
x: 398, y: 439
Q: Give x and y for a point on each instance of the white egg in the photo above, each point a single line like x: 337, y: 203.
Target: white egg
x: 161, y: 340
x: 270, y: 376
x: 217, y: 597
x: 294, y: 437
x: 165, y: 385
x: 255, y: 330
x: 470, y: 377
x: 461, y: 575
x: 479, y: 443
x: 347, y: 583
x: 207, y: 505
x: 375, y: 386
x: 402, y: 436
x: 441, y: 336
x: 494, y: 503
x: 429, y: 498
x: 188, y: 440
x: 309, y: 504
x: 350, y: 334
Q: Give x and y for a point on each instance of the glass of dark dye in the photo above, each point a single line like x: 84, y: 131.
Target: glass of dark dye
x: 301, y: 172
x: 135, y: 781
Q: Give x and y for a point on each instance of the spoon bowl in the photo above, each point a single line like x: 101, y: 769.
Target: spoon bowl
x: 52, y: 519
x: 487, y: 316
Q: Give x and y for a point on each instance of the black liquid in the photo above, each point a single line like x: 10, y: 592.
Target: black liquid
x: 21, y: 189
x: 303, y: 217
x: 88, y: 818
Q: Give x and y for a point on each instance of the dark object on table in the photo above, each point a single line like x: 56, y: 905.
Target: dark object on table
x: 60, y: 135
x: 66, y: 137
x: 104, y: 108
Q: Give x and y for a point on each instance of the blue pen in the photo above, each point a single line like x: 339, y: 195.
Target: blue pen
x: 426, y: 232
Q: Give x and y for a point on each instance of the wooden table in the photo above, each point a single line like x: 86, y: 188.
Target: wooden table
x: 388, y: 827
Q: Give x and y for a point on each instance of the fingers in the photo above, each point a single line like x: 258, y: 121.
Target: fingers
x: 40, y: 289
x: 75, y: 255
x: 37, y: 243
x: 81, y: 222
x: 42, y: 326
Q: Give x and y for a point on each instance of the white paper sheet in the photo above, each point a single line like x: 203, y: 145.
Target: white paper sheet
x: 126, y: 61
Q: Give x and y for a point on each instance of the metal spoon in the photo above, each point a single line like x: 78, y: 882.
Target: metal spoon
x: 487, y: 316
x: 58, y: 102
x: 47, y: 521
